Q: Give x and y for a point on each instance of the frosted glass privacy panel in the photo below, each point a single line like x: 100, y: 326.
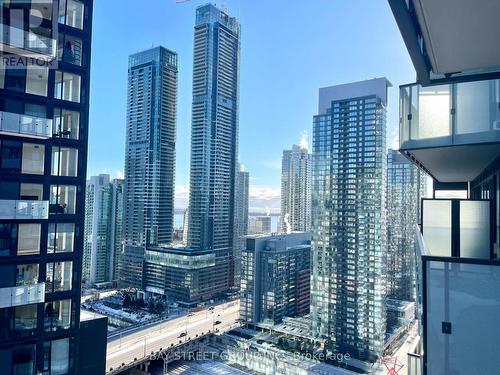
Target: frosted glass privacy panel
x: 475, y: 229
x: 433, y: 113
x: 436, y: 225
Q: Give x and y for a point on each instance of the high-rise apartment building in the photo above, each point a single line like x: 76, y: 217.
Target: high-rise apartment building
x: 296, y: 166
x: 118, y: 187
x: 240, y: 218
x: 214, y: 140
x: 97, y: 245
x: 150, y: 147
x: 450, y: 127
x: 44, y: 105
x: 348, y: 222
x: 275, y: 277
x: 103, y: 226
x: 406, y: 185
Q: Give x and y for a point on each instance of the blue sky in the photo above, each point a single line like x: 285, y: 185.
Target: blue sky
x: 288, y: 50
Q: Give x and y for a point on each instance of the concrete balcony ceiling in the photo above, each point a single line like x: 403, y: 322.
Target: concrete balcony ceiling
x: 460, y: 35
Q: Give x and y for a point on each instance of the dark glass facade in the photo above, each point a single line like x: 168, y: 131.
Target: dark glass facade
x: 275, y: 281
x: 150, y: 147
x: 348, y: 218
x: 214, y: 141
x: 43, y: 157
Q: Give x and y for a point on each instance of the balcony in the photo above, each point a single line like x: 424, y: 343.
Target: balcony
x: 22, y: 295
x: 449, y: 41
x: 457, y: 227
x: 23, y: 210
x: 459, y: 290
x: 26, y: 43
x: 24, y: 125
x: 449, y: 125
x: 415, y: 359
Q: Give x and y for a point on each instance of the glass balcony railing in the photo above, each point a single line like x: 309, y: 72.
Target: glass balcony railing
x: 16, y: 41
x: 22, y: 295
x: 461, y: 308
x: 446, y: 115
x: 25, y: 125
x: 458, y: 290
x: 23, y: 209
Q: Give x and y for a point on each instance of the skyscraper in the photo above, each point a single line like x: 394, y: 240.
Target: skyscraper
x: 97, y: 245
x: 296, y: 189
x: 406, y: 184
x: 348, y: 222
x: 103, y: 229
x: 118, y: 187
x: 240, y: 218
x: 43, y: 160
x: 214, y: 139
x: 150, y: 148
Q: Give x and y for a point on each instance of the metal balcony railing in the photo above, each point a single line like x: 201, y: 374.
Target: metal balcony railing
x: 23, y: 209
x: 25, y: 125
x: 22, y: 295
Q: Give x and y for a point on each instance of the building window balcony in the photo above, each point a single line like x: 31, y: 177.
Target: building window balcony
x: 445, y: 115
x: 27, y: 43
x: 457, y: 228
x: 459, y: 303
x: 25, y: 125
x: 23, y: 209
x: 22, y: 295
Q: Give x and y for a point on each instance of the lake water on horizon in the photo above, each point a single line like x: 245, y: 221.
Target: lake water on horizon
x: 179, y: 218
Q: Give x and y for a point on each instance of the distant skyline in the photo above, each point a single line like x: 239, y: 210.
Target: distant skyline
x: 288, y: 51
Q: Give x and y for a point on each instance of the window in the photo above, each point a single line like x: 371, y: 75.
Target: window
x: 61, y: 238
x: 10, y: 157
x: 8, y: 235
x: 70, y: 49
x: 2, y: 78
x: 41, y: 9
x: 25, y: 317
x: 64, y: 161
x: 67, y: 86
x: 15, y: 79
x: 59, y: 357
x: 28, y: 241
x: 23, y: 359
x: 57, y: 315
x: 33, y: 158
x: 35, y: 110
x: 58, y: 276
x: 32, y: 192
x: 9, y: 190
x: 62, y: 199
x: 26, y: 274
x: 67, y: 124
x: 37, y: 80
x: 71, y: 13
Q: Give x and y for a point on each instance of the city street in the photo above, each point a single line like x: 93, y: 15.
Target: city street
x: 401, y: 354
x: 138, y: 344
